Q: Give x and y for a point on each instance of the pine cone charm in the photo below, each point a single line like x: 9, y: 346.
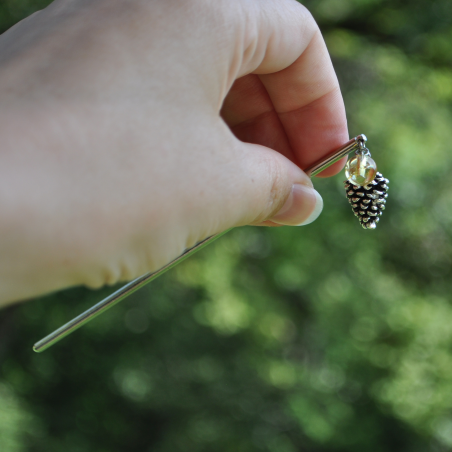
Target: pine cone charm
x: 368, y: 202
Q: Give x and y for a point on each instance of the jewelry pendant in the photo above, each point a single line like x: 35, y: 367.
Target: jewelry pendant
x: 366, y: 188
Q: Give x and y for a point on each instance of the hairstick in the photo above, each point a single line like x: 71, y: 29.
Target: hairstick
x: 355, y: 144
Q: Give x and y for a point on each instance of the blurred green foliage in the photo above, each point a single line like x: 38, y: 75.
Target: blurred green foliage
x: 324, y: 338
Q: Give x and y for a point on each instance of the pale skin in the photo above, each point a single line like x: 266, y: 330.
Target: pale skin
x: 132, y: 129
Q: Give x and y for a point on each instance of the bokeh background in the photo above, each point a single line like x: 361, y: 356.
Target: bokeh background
x: 316, y: 339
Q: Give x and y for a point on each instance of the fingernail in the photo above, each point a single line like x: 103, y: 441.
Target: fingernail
x: 302, y: 207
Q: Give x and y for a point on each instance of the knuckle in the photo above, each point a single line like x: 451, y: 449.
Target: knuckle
x: 277, y: 189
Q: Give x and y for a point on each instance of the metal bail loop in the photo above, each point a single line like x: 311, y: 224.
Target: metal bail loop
x: 362, y: 150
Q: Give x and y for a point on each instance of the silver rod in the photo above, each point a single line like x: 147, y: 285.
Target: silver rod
x: 335, y: 156
x: 138, y: 283
x: 116, y: 297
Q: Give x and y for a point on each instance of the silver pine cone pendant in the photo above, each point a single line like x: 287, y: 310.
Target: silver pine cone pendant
x: 365, y: 187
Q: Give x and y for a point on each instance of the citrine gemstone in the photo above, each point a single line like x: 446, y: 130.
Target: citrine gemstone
x: 360, y: 170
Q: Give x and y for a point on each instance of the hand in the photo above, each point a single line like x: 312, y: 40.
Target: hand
x: 114, y: 156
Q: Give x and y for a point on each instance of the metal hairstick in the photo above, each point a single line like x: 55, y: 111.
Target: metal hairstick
x: 352, y: 145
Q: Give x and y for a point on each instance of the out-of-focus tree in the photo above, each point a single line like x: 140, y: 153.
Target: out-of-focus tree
x: 321, y: 338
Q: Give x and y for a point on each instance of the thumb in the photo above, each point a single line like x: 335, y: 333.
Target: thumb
x: 275, y: 190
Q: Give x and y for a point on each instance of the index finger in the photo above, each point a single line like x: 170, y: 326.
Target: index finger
x: 299, y: 77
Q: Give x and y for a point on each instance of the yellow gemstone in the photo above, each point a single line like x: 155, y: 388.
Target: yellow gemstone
x: 360, y: 170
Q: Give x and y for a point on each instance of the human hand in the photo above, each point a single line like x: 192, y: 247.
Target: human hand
x: 114, y: 155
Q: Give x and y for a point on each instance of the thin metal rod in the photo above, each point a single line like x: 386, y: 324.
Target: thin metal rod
x: 141, y: 281
x: 116, y: 297
x: 335, y: 156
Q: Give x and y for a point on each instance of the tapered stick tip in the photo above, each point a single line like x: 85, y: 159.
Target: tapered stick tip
x: 37, y: 348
